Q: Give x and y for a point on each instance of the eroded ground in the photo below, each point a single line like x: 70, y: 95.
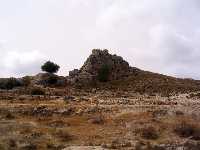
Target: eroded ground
x: 100, y: 120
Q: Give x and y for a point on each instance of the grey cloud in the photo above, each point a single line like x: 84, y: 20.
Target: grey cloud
x: 178, y: 54
x: 160, y: 36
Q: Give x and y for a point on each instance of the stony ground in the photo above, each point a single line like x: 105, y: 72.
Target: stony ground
x: 100, y: 120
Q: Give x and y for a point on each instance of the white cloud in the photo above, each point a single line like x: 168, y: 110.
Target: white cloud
x: 20, y: 63
x: 160, y: 36
x: 154, y: 35
x: 176, y: 53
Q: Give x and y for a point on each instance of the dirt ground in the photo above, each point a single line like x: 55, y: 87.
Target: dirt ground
x: 100, y: 120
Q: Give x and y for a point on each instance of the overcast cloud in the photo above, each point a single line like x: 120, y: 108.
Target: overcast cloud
x: 154, y: 35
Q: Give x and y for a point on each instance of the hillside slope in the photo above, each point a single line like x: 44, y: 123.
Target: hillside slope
x: 151, y: 83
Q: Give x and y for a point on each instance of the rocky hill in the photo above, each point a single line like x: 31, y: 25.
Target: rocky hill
x: 88, y: 73
x: 123, y: 76
x: 152, y: 83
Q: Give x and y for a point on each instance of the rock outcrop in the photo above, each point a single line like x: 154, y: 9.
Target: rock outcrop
x: 88, y: 73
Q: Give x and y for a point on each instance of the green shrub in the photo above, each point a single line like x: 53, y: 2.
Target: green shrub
x: 37, y: 91
x: 103, y: 73
x: 50, y: 67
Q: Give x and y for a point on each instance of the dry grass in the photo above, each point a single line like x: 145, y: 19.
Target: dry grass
x: 131, y: 116
x: 63, y: 135
x: 187, y: 128
x: 150, y: 83
x: 149, y: 133
x: 103, y: 124
x: 98, y: 119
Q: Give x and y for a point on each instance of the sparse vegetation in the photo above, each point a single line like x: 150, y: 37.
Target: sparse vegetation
x: 149, y: 133
x: 187, y: 129
x: 50, y: 67
x: 63, y: 135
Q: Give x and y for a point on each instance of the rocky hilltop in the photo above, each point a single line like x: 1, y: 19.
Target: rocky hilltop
x: 119, y: 68
x: 121, y: 76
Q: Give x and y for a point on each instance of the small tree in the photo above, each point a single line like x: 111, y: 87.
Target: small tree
x: 50, y: 67
x: 104, y: 72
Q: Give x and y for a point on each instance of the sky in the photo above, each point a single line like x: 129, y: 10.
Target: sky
x: 154, y: 35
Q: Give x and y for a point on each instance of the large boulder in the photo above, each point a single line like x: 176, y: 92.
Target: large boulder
x: 88, y: 73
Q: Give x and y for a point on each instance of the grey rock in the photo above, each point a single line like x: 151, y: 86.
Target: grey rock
x: 74, y: 73
x: 88, y: 73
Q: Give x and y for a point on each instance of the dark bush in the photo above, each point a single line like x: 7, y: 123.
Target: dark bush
x: 12, y: 143
x: 9, y: 83
x: 10, y: 116
x: 50, y: 67
x: 48, y: 79
x: 51, y: 80
x: 185, y: 129
x: 37, y: 91
x: 103, y: 73
x: 2, y: 84
x: 149, y: 133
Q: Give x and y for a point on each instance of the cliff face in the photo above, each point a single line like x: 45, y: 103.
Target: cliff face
x: 119, y: 68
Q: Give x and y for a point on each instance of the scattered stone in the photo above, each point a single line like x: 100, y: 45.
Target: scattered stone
x: 179, y: 113
x: 191, y: 145
x: 42, y: 111
x: 67, y: 111
x: 118, y: 144
x: 29, y: 147
x: 68, y: 98
x: 85, y: 148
